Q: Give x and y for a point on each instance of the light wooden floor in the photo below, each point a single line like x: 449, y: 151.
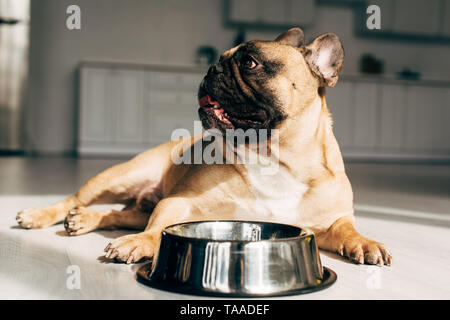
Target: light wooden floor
x: 407, y: 207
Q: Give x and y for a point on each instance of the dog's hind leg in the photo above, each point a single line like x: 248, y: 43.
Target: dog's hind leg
x: 82, y: 220
x: 118, y: 184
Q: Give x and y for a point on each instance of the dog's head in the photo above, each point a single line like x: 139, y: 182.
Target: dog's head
x: 258, y: 84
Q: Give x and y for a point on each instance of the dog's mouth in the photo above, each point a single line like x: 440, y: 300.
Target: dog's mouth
x: 212, y: 107
x: 212, y: 111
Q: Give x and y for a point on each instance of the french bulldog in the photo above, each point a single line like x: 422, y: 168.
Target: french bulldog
x: 272, y: 85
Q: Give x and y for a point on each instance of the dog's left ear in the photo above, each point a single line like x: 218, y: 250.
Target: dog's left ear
x: 325, y: 56
x: 293, y: 37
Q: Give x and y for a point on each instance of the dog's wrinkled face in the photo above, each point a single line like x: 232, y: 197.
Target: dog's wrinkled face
x: 237, y: 91
x: 258, y: 84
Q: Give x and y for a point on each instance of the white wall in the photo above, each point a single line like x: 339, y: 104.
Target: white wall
x: 163, y: 32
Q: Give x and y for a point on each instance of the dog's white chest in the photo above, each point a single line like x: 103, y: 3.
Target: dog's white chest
x: 277, y: 196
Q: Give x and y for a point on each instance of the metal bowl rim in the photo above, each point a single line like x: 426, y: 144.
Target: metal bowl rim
x: 301, y: 236
x: 161, y: 285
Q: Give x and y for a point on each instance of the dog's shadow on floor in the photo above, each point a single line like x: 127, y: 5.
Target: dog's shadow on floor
x: 108, y: 234
x: 134, y: 267
x: 337, y: 257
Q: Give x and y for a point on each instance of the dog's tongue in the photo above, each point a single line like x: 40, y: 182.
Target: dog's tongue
x: 218, y: 111
x: 206, y: 101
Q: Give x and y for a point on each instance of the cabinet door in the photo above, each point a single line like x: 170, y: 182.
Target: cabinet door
x: 164, y: 118
x: 173, y: 98
x: 163, y: 123
x: 129, y: 106
x: 95, y: 122
x: 300, y: 12
x: 160, y: 80
x: 273, y: 11
x: 340, y: 101
x: 417, y: 16
x: 427, y: 118
x: 393, y: 121
x: 172, y: 103
x: 280, y: 12
x: 446, y: 19
x: 245, y: 10
x: 366, y: 116
x: 387, y: 9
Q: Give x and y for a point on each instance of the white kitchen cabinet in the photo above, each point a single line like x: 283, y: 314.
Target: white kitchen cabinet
x: 175, y: 80
x: 446, y: 116
x: 300, y: 12
x: 166, y: 117
x: 96, y: 115
x: 414, y: 119
x: 340, y: 101
x: 163, y: 123
x: 270, y: 12
x: 354, y: 109
x: 128, y: 111
x: 446, y: 19
x: 366, y: 121
x: 427, y: 118
x: 387, y: 9
x: 173, y: 103
x: 128, y: 101
x: 377, y: 120
x: 417, y: 17
x: 112, y: 105
x: 393, y: 109
x: 173, y: 97
x: 273, y: 11
x: 246, y: 11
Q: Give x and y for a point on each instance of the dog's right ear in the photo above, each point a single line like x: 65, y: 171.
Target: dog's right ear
x: 325, y: 56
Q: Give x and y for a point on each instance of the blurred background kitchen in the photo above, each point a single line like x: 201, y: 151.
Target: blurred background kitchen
x: 75, y: 101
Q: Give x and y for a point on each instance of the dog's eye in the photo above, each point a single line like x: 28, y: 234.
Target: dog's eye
x: 248, y: 62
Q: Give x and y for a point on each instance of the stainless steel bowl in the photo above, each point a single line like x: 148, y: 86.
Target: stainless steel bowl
x: 237, y: 258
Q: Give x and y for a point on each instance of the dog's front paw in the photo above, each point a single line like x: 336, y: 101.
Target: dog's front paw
x: 132, y: 248
x: 81, y: 220
x: 35, y: 218
x: 362, y: 250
